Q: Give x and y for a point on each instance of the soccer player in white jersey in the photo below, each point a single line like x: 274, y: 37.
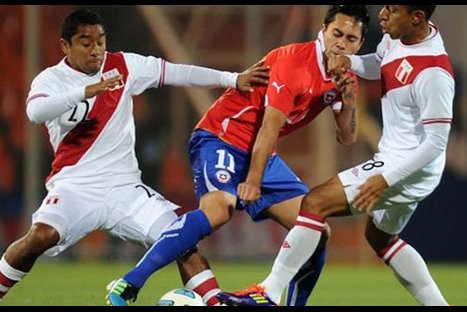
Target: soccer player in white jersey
x: 86, y: 104
x: 417, y: 99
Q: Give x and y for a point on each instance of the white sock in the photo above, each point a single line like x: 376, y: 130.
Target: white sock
x: 298, y: 246
x: 9, y: 276
x: 412, y: 272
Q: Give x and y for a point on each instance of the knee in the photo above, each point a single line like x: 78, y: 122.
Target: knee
x: 218, y: 207
x: 314, y: 204
x: 41, y: 237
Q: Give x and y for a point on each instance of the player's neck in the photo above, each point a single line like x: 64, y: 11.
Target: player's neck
x: 418, y: 35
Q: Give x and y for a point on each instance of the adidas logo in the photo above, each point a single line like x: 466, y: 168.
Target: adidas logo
x: 285, y: 244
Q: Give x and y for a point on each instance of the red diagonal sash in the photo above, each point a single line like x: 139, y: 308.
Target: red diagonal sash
x: 78, y: 141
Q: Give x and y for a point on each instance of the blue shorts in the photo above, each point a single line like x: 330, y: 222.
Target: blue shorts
x: 217, y: 165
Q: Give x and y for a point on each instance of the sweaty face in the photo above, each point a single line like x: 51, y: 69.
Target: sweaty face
x: 343, y: 36
x: 87, y: 49
x: 394, y: 20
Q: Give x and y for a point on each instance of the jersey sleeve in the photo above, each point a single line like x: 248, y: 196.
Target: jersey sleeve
x: 381, y: 48
x: 434, y: 91
x: 149, y: 71
x: 45, y: 102
x: 368, y: 66
x: 145, y: 72
x: 197, y: 76
x: 44, y: 84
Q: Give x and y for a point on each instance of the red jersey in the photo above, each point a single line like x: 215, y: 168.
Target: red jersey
x: 298, y: 86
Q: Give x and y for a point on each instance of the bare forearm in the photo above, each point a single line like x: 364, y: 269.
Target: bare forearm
x: 346, y: 117
x: 262, y: 150
x: 347, y: 123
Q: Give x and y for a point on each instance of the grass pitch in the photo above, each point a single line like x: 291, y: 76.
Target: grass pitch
x: 58, y: 283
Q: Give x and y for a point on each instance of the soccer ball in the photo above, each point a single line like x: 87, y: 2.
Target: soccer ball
x: 181, y: 297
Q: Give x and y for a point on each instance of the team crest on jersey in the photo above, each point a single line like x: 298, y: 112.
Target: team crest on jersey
x: 113, y: 73
x: 223, y: 176
x: 329, y: 96
x: 403, y: 71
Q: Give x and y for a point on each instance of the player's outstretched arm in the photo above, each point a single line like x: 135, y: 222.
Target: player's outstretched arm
x: 204, y: 77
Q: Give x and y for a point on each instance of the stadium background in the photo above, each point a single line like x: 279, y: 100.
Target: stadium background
x: 231, y: 38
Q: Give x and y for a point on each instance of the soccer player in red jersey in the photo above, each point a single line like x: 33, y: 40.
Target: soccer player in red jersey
x: 417, y: 99
x: 233, y: 147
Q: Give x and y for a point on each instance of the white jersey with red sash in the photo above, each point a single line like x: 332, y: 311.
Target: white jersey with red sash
x: 409, y: 102
x: 94, y: 141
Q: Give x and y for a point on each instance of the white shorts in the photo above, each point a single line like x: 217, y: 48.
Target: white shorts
x: 393, y: 211
x: 132, y: 212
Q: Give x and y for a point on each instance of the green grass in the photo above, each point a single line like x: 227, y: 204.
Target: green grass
x: 57, y: 283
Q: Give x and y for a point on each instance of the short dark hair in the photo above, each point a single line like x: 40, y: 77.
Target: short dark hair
x: 360, y: 12
x: 427, y: 9
x: 77, y: 18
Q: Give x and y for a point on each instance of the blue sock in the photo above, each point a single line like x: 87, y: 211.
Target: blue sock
x: 184, y: 233
x: 304, y: 281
